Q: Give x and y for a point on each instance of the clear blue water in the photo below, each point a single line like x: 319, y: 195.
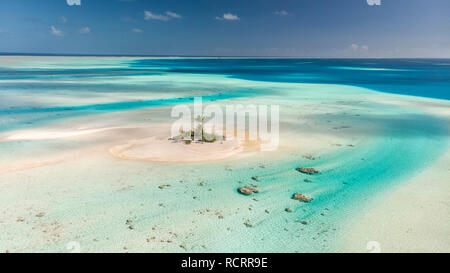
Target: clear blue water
x: 416, y: 77
x: 408, y: 141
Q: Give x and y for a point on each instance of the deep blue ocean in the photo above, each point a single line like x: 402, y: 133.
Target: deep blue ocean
x: 416, y: 77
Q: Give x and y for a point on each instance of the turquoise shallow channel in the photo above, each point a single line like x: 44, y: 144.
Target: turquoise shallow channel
x: 368, y: 119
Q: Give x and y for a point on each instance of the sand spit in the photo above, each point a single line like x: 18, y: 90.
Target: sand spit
x: 8, y: 168
x: 164, y: 150
x: 52, y: 134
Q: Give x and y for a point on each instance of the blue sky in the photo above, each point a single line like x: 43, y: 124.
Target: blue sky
x: 302, y: 28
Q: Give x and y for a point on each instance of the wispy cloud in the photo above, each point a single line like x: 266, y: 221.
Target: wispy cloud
x: 73, y: 2
x: 84, y: 30
x: 228, y: 16
x: 148, y: 15
x: 173, y: 14
x: 152, y: 16
x: 354, y: 47
x: 56, y: 32
x: 63, y: 19
x: 281, y: 13
x: 359, y: 48
x: 137, y: 30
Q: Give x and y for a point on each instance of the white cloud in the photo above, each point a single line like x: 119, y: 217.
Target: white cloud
x: 228, y: 16
x: 148, y: 15
x: 152, y: 16
x: 173, y: 15
x: 359, y: 48
x: 56, y: 32
x: 73, y: 2
x: 137, y: 30
x: 84, y: 30
x: 281, y: 13
x: 354, y: 47
x: 373, y: 2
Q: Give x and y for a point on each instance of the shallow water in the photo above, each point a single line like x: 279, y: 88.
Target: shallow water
x: 89, y: 199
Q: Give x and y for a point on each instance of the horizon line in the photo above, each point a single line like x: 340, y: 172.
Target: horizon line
x: 198, y: 56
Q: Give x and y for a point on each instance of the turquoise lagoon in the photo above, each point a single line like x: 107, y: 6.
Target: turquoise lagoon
x: 88, y: 199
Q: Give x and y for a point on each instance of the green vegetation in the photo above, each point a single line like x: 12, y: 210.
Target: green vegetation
x: 189, y: 136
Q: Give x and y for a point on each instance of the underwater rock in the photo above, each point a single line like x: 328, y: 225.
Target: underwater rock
x: 247, y: 190
x: 310, y: 157
x: 307, y: 170
x: 301, y: 197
